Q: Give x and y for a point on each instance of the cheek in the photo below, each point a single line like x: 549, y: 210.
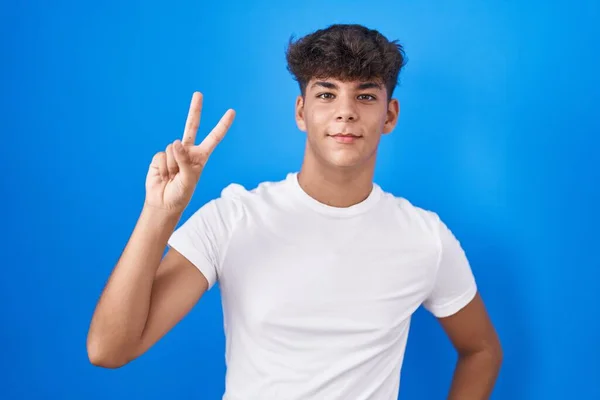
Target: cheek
x: 378, y: 120
x: 316, y: 118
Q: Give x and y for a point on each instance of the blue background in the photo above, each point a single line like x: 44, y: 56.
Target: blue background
x: 498, y: 133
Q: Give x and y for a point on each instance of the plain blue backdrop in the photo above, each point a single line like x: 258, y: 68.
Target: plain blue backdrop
x: 498, y: 133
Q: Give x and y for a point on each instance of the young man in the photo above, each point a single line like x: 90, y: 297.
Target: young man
x: 319, y: 272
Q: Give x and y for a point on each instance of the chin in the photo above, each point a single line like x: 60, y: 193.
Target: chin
x: 344, y: 162
x: 345, y: 158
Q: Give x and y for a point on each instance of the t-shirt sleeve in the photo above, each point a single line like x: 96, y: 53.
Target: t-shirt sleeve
x: 203, y: 238
x: 455, y: 284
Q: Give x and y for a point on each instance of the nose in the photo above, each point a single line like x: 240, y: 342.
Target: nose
x: 346, y: 110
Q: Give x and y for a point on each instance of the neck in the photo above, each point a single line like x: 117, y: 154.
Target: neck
x: 335, y: 186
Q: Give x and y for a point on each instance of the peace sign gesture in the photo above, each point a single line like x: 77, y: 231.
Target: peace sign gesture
x: 174, y: 173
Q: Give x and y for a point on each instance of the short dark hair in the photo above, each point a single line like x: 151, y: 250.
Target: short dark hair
x: 346, y: 52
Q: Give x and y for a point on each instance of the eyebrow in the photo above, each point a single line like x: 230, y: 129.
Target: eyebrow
x: 360, y: 86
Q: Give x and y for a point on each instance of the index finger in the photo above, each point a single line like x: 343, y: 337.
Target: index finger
x: 193, y: 119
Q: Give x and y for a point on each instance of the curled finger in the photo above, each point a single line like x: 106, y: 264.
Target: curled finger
x: 172, y: 167
x: 160, y: 161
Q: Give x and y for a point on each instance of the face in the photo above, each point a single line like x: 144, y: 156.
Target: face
x: 344, y: 121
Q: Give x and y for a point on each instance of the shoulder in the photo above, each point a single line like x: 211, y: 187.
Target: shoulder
x: 237, y: 198
x: 412, y: 215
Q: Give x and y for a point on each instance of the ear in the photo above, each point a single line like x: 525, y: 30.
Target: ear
x: 392, y: 116
x: 300, y: 113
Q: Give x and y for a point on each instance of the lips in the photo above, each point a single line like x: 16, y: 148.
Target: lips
x: 350, y: 135
x: 345, y: 137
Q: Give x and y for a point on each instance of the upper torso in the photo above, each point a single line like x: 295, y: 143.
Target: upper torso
x: 317, y: 300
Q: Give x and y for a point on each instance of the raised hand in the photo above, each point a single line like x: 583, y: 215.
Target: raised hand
x: 174, y: 173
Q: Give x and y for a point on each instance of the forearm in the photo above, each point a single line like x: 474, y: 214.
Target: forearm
x: 475, y: 376
x: 122, y: 311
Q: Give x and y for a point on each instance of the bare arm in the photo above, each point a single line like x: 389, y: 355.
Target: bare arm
x: 479, y: 352
x: 145, y: 295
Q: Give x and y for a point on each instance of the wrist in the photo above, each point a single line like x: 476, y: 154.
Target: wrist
x: 160, y: 217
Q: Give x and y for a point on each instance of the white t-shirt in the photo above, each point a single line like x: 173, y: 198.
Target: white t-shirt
x: 317, y: 300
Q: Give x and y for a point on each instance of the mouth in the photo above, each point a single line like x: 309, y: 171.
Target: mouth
x: 345, y: 137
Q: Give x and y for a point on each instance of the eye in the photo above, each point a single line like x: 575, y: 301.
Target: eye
x: 367, y: 97
x: 325, y: 96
